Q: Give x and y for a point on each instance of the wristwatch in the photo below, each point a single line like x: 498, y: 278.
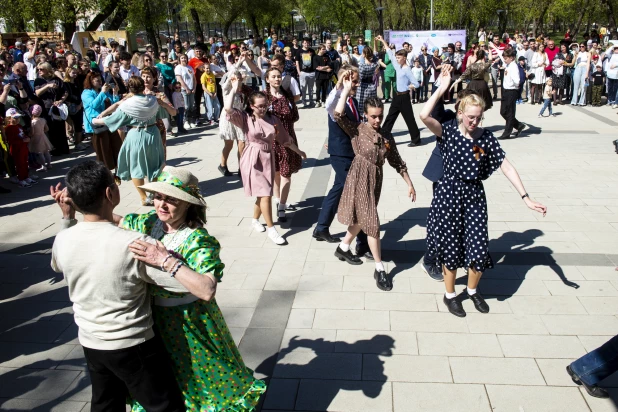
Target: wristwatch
x: 526, y: 195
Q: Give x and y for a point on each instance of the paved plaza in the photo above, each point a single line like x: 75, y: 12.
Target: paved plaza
x: 319, y: 329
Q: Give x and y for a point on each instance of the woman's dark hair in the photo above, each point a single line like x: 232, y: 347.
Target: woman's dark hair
x: 91, y: 55
x: 252, y: 98
x: 368, y: 53
x: 87, y: 183
x: 282, y: 90
x: 153, y: 73
x: 136, y: 85
x: 89, y: 78
x: 374, y: 102
x: 480, y: 54
x: 196, y: 216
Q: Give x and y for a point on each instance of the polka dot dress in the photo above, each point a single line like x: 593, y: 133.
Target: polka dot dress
x: 206, y: 362
x: 457, y: 221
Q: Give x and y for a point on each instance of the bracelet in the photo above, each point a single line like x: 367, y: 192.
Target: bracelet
x: 526, y: 195
x: 163, y: 263
x: 178, y: 265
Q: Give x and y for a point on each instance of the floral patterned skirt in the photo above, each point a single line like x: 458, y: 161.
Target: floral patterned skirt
x: 206, y: 362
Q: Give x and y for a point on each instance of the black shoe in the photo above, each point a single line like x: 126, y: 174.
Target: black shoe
x: 521, y: 127
x: 325, y: 236
x: 224, y: 171
x: 412, y: 144
x: 364, y: 251
x: 383, y: 281
x: 592, y: 390
x: 506, y: 137
x: 281, y: 218
x: 454, y: 306
x: 348, y: 256
x: 434, y: 272
x: 477, y: 299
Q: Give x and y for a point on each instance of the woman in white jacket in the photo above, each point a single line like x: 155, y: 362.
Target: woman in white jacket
x: 537, y: 66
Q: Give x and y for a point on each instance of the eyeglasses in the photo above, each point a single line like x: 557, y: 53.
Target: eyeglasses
x: 262, y: 106
x: 147, y: 60
x: 163, y: 56
x: 169, y: 200
x: 473, y: 119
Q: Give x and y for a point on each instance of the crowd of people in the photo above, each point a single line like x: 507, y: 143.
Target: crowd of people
x: 128, y: 104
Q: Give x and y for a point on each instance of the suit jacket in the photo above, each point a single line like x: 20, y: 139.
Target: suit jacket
x: 339, y: 143
x: 434, y: 170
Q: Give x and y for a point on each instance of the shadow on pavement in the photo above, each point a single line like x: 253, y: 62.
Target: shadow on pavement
x: 334, y: 367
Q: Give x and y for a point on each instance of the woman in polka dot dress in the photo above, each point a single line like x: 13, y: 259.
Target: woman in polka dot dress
x: 457, y: 221
x: 281, y: 104
x: 206, y: 362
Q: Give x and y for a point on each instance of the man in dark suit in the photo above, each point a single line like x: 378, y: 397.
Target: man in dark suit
x: 341, y: 156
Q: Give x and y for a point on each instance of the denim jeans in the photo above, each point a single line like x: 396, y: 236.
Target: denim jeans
x: 598, y: 364
x: 189, y: 104
x: 579, y: 85
x: 546, y: 104
x: 612, y: 90
x: 180, y: 118
x: 211, y: 104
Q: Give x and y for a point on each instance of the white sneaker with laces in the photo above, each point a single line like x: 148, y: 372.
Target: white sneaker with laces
x: 257, y: 226
x: 275, y: 236
x: 23, y: 184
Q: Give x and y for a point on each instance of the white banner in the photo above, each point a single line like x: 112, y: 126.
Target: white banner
x: 430, y: 39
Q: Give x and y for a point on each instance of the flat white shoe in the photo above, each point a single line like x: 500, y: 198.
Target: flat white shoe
x: 258, y: 226
x: 276, y: 237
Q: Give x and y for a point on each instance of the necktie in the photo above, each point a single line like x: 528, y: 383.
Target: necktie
x: 351, y: 103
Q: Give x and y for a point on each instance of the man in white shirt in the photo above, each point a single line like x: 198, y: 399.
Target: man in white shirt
x: 30, y: 60
x: 510, y: 90
x: 126, y: 68
x: 123, y: 354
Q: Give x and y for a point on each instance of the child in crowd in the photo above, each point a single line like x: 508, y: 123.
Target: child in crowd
x: 598, y: 80
x: 18, y: 147
x: 547, y: 97
x: 523, y: 84
x: 39, y: 143
x: 179, y: 104
x: 417, y: 73
x: 209, y: 84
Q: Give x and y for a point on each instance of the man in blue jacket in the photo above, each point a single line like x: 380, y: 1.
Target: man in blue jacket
x: 341, y: 156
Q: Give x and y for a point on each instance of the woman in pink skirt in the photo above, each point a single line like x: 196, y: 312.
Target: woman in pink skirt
x: 257, y: 163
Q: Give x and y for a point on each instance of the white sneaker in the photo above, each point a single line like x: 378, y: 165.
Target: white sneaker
x: 14, y: 180
x: 23, y: 184
x: 42, y: 169
x: 31, y: 181
x: 275, y: 236
x: 257, y: 226
x: 186, y: 126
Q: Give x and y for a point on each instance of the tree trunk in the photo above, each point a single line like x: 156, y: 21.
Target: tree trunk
x: 119, y: 16
x: 575, y: 29
x: 102, y: 15
x: 151, y: 32
x: 68, y: 25
x: 197, y: 27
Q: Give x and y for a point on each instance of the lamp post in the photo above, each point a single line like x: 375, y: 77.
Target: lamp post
x: 431, y: 17
x: 292, y: 14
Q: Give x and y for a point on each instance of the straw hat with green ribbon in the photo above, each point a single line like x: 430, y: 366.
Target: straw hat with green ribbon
x: 178, y: 183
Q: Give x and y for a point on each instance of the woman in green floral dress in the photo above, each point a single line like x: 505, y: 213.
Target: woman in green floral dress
x: 206, y: 361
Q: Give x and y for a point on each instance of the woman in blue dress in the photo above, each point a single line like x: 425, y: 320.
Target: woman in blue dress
x: 142, y: 154
x: 457, y: 221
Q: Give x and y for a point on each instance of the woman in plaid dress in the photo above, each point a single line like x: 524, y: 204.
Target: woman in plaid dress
x: 368, y: 66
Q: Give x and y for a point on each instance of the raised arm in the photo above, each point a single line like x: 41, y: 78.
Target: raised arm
x: 431, y: 123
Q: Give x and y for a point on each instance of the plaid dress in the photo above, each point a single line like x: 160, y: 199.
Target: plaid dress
x: 368, y: 87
